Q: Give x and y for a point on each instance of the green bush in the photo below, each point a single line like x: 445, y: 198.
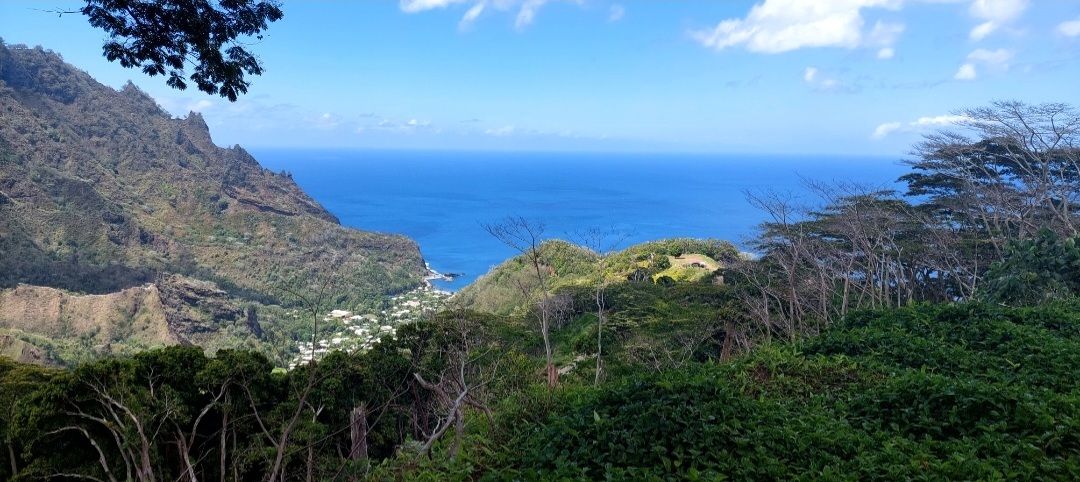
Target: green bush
x: 933, y: 392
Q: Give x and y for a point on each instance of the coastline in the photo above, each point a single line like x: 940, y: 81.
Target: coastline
x: 433, y: 275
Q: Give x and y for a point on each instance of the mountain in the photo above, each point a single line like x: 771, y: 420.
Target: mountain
x: 512, y: 285
x: 104, y: 193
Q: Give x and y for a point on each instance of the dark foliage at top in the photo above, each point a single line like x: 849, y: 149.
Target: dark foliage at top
x: 163, y: 36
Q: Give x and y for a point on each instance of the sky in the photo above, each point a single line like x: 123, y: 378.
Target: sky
x: 847, y: 77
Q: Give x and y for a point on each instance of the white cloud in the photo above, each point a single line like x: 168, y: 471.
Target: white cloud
x: 938, y: 120
x: 471, y: 15
x: 1001, y: 10
x: 884, y: 34
x: 413, y: 6
x: 992, y: 59
x: 826, y: 82
x: 921, y: 124
x: 615, y: 13
x: 201, y: 105
x: 775, y: 26
x: 526, y: 9
x: 180, y: 106
x: 326, y: 121
x: 884, y: 129
x: 999, y: 57
x: 501, y: 131
x: 996, y: 13
x: 982, y: 30
x: 966, y: 72
x: 527, y: 13
x: 410, y: 125
x: 1070, y: 28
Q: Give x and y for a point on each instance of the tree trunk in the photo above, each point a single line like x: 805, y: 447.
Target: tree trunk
x: 358, y: 431
x: 223, y: 437
x: 11, y: 457
x: 545, y: 305
x: 310, y: 464
x: 729, y: 339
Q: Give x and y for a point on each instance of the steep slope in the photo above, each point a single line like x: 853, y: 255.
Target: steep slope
x: 102, y: 191
x: 664, y: 303
x: 500, y: 291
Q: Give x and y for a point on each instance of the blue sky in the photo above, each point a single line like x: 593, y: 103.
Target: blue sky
x: 861, y: 77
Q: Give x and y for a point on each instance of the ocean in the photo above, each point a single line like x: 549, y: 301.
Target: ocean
x: 441, y: 199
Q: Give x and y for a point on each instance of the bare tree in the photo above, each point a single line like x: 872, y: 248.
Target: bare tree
x: 602, y: 242
x: 785, y: 239
x: 525, y: 237
x: 854, y: 248
x: 313, y: 306
x: 465, y: 354
x: 561, y: 309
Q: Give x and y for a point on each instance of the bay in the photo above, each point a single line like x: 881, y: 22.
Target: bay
x: 441, y: 199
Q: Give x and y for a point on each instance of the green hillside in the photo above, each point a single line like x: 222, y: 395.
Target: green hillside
x: 103, y: 191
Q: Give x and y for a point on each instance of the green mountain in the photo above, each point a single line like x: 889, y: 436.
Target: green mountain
x: 512, y: 286
x: 664, y: 303
x: 102, y: 192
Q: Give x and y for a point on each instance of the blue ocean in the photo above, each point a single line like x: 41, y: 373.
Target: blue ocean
x: 441, y: 199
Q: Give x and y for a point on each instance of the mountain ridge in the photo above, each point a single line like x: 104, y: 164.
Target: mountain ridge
x: 102, y: 191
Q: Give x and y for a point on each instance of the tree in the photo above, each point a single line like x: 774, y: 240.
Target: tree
x: 602, y: 242
x: 165, y: 37
x: 17, y: 382
x: 1009, y: 171
x: 460, y: 358
x: 313, y: 306
x: 1021, y: 174
x: 121, y: 419
x: 1036, y: 270
x: 525, y: 237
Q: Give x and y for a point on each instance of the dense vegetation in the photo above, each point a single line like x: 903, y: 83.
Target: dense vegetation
x: 933, y: 336
x: 961, y: 391
x: 925, y: 392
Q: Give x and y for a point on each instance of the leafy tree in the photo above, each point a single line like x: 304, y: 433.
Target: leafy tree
x: 1035, y: 270
x: 1020, y: 173
x: 927, y: 392
x: 17, y: 382
x: 241, y: 387
x: 165, y: 37
x: 1005, y: 172
x: 119, y: 418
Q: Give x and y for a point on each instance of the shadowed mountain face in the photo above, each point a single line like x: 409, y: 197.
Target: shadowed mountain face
x: 102, y: 190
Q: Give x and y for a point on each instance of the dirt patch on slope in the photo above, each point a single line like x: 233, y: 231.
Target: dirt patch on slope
x: 135, y: 314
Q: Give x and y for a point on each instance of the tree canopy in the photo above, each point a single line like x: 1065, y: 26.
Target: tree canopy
x: 196, y: 40
x: 990, y: 209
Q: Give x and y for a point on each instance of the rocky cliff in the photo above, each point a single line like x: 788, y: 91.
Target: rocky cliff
x: 102, y: 192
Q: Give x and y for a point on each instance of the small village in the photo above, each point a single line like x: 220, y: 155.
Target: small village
x: 348, y: 331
